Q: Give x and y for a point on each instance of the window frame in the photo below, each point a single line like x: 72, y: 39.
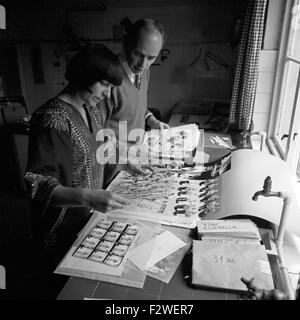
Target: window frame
x: 291, y: 152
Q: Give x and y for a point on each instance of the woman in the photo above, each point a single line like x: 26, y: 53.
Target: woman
x: 64, y: 177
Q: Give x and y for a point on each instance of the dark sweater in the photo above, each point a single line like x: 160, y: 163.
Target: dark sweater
x: 127, y: 103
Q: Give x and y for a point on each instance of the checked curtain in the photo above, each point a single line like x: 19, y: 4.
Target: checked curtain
x: 246, y: 74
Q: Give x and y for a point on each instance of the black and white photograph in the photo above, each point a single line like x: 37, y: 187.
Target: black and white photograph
x: 127, y: 124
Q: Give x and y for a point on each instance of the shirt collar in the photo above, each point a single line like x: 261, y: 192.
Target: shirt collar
x: 125, y: 65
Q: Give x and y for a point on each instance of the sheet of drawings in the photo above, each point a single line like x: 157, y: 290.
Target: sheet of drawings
x: 209, y: 170
x: 168, y: 195
x: 102, y: 247
x: 176, y: 143
x: 108, y: 242
x: 92, y: 267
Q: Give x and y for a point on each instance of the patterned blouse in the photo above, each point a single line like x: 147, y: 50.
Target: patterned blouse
x: 62, y: 151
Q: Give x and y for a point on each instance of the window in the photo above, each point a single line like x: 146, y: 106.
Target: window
x: 284, y: 128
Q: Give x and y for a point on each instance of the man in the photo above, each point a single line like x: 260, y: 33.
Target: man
x: 128, y: 102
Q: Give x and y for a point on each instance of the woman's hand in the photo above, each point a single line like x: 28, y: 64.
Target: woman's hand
x: 103, y: 200
x: 139, y: 169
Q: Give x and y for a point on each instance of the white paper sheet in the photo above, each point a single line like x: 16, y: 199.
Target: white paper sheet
x: 154, y: 250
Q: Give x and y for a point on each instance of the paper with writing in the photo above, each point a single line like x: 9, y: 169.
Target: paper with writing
x: 221, y: 265
x: 241, y: 228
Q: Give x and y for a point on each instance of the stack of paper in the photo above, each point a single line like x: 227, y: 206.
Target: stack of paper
x: 176, y: 143
x: 167, y: 197
x: 231, y: 228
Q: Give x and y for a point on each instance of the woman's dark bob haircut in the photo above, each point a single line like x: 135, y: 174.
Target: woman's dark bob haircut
x: 93, y: 64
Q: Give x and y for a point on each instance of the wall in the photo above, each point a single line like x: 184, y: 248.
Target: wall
x: 189, y: 28
x: 263, y: 99
x: 52, y: 68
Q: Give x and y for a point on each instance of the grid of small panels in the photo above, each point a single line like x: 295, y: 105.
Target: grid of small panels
x: 108, y: 242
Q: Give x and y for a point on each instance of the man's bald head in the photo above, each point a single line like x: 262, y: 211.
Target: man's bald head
x: 142, y: 26
x: 143, y: 43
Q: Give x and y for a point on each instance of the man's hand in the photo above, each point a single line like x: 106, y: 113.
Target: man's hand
x: 154, y: 123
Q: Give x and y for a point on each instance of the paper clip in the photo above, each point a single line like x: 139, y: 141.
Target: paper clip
x: 182, y: 193
x: 180, y: 206
x: 182, y: 188
x: 180, y: 211
x: 181, y: 199
x: 183, y: 182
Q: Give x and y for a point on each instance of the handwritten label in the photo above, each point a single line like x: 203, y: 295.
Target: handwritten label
x: 234, y: 226
x: 217, y: 226
x: 223, y: 259
x: 231, y: 240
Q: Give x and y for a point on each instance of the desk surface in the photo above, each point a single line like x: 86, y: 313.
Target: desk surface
x: 178, y: 288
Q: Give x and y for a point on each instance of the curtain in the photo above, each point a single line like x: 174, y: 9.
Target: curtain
x: 246, y: 73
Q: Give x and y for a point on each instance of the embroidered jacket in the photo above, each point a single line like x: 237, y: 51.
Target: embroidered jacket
x: 62, y: 151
